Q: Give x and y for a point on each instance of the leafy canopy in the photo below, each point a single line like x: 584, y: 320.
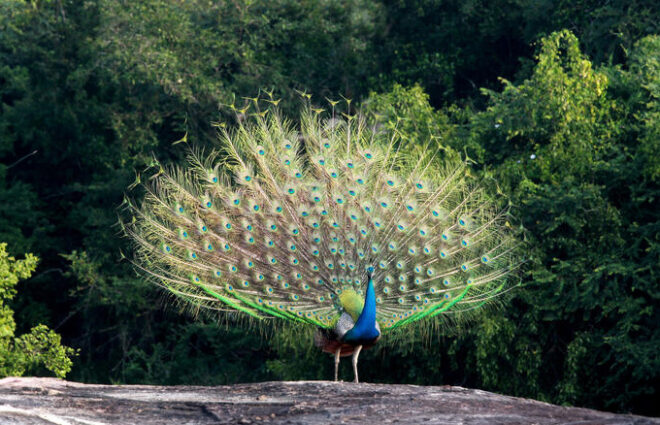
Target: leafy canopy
x: 41, y: 347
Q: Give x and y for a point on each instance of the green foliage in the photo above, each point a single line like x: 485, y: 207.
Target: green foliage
x: 608, y: 30
x: 640, y: 86
x: 565, y: 150
x: 562, y: 108
x: 453, y: 48
x: 41, y: 347
x: 407, y: 113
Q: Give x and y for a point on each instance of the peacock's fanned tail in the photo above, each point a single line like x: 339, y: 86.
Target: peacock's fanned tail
x: 291, y: 218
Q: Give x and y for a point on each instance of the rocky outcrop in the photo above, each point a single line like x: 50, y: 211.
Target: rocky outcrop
x: 53, y: 401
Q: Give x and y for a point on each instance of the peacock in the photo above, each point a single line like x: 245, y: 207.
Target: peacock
x: 332, y: 222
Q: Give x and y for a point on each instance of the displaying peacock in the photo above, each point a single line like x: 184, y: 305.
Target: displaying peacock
x: 335, y: 224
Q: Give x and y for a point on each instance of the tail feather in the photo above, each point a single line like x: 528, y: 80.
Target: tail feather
x: 296, y: 217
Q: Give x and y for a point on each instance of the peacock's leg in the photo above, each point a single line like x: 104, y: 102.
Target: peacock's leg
x: 356, y: 353
x: 337, y: 353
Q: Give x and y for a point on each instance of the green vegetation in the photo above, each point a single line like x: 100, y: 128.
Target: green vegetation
x: 565, y: 125
x: 41, y: 347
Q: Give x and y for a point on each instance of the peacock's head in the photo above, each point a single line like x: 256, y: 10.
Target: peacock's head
x: 370, y: 271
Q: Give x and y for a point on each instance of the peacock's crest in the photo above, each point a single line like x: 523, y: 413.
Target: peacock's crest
x: 284, y: 222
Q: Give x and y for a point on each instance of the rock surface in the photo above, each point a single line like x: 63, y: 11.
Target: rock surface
x: 53, y: 401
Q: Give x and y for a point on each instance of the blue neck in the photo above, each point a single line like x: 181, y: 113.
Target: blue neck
x: 365, y: 327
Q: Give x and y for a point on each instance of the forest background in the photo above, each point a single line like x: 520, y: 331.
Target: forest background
x: 556, y: 101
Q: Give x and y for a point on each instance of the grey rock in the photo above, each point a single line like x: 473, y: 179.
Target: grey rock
x: 53, y: 401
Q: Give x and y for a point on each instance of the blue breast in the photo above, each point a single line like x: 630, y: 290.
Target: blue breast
x: 365, y: 327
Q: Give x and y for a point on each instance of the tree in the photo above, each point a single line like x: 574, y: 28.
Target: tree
x: 41, y: 347
x: 573, y: 155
